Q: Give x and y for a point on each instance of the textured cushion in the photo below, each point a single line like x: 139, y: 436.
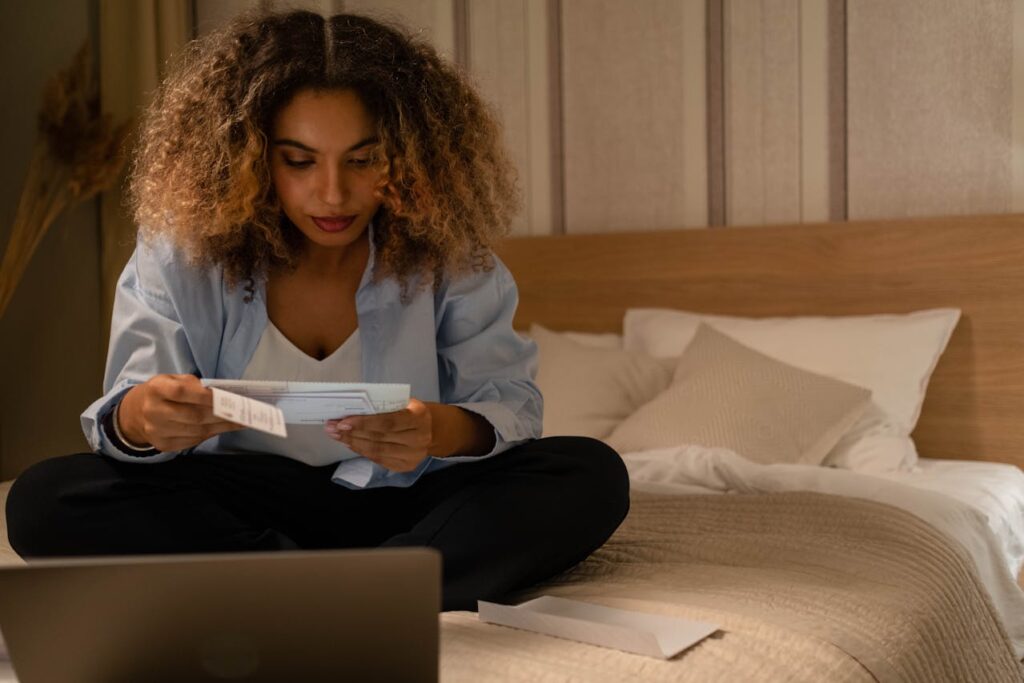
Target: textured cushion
x: 893, y: 355
x: 598, y: 340
x: 724, y: 394
x: 588, y: 390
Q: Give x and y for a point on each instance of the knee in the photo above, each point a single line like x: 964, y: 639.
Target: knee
x: 598, y: 471
x: 36, y: 514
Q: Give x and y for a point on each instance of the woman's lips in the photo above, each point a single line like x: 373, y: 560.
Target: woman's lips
x: 333, y: 223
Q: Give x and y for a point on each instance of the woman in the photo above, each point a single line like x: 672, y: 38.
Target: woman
x: 318, y: 201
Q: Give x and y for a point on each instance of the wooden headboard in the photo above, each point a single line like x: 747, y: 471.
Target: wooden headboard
x: 975, y: 403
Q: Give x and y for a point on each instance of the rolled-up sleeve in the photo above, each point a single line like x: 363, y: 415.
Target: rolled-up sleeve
x: 146, y: 339
x: 486, y: 367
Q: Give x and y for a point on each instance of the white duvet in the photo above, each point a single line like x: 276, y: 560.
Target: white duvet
x: 694, y: 469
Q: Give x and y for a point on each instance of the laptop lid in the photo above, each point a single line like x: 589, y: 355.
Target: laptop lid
x: 361, y: 615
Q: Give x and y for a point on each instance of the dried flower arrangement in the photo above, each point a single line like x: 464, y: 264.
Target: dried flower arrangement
x: 78, y: 153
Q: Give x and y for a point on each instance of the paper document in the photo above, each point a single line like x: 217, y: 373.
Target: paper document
x: 317, y: 402
x: 248, y: 412
x: 653, y: 635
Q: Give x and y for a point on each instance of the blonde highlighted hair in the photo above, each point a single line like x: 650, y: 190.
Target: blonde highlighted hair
x: 201, y: 171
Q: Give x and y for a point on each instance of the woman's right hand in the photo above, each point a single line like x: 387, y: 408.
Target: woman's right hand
x: 170, y: 413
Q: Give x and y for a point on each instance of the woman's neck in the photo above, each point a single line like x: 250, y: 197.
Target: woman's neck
x: 328, y: 262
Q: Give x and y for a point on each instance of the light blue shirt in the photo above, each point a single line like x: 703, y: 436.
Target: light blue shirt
x: 454, y: 346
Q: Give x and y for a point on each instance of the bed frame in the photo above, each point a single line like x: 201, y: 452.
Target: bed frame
x: 975, y: 402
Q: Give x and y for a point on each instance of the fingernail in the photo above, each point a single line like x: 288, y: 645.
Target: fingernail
x: 345, y: 427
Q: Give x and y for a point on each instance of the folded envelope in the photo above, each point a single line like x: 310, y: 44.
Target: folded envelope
x: 653, y: 635
x: 317, y: 402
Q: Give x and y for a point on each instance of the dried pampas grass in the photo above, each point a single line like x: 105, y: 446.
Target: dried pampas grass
x: 78, y: 153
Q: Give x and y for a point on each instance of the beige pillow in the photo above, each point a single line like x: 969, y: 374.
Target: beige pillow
x: 727, y: 395
x: 587, y: 390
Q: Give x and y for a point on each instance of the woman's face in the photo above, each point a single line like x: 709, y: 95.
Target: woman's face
x: 321, y: 166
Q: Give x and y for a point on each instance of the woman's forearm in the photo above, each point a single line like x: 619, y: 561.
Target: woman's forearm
x: 456, y: 431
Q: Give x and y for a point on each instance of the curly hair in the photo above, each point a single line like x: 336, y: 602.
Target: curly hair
x: 201, y: 172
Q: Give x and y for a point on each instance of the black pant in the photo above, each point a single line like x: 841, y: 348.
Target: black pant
x: 501, y: 524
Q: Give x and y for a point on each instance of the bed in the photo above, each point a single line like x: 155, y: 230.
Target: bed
x: 800, y: 593
x: 813, y: 573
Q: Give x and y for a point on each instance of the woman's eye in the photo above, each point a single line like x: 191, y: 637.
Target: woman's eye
x: 360, y: 163
x: 295, y: 163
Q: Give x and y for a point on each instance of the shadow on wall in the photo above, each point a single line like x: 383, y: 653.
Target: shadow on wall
x: 49, y: 336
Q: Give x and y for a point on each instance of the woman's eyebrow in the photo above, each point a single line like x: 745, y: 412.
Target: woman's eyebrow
x: 371, y: 140
x: 306, y: 148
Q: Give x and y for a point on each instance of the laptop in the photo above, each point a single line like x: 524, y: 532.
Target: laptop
x: 359, y: 615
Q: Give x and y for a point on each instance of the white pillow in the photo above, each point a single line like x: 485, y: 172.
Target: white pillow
x: 597, y: 340
x: 874, y: 444
x: 893, y: 355
x: 588, y: 390
x: 727, y: 395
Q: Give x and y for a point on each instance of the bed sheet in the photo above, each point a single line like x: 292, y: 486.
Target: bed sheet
x: 995, y: 489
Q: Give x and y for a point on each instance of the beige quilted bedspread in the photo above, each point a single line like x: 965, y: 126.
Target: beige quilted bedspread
x: 806, y: 587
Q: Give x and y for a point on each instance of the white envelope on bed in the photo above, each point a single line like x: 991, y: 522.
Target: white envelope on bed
x: 653, y: 635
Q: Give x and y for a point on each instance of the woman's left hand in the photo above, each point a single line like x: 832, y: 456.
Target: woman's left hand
x: 399, y: 441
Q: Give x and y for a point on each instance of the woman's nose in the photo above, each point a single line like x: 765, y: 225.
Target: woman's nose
x: 332, y: 190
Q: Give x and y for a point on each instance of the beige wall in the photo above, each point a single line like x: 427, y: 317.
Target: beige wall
x: 628, y: 94
x: 658, y: 114
x: 929, y: 101
x: 49, y: 336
